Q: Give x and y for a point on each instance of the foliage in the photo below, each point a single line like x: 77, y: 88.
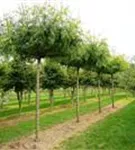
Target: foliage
x: 88, y: 78
x: 53, y: 76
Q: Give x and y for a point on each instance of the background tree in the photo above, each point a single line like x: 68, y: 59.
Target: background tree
x: 126, y: 79
x: 16, y: 79
x: 69, y: 82
x: 30, y: 80
x: 52, y: 79
x: 87, y: 79
x: 115, y: 65
x: 98, y: 54
x: 76, y: 60
x: 3, y: 80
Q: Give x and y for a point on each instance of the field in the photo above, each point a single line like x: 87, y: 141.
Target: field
x: 14, y: 126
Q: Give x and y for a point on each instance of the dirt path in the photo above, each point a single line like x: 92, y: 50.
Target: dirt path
x: 51, y: 138
x: 14, y: 121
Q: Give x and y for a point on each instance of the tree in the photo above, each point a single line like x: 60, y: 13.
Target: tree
x: 18, y: 78
x: 52, y: 79
x: 116, y: 64
x: 126, y: 79
x: 41, y: 32
x: 98, y: 54
x: 76, y: 60
x: 3, y: 80
x: 30, y: 77
x: 69, y: 81
x: 87, y: 79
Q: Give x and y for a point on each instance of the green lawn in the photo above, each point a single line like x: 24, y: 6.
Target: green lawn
x: 12, y: 110
x: 116, y: 132
x: 27, y: 127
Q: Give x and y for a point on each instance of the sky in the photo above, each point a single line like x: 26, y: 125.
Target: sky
x: 110, y: 19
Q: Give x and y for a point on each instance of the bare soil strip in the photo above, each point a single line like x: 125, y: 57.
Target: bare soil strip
x: 51, y: 138
x: 14, y: 121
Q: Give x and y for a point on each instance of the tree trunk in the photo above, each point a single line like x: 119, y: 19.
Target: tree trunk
x: 72, y: 96
x: 96, y: 92
x: 77, y: 99
x: 19, y: 101
x: 51, y: 98
x: 126, y: 93
x: 29, y: 97
x: 109, y: 91
x: 1, y: 104
x: 64, y: 93
x: 84, y: 93
x: 25, y: 95
x: 37, y: 99
x: 2, y: 101
x: 99, y: 97
x: 112, y: 93
x: 91, y: 93
x: 68, y: 92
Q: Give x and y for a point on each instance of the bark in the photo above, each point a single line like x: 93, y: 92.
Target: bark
x: 96, y: 92
x: 25, y: 95
x: 77, y: 99
x: 68, y: 92
x: 99, y: 97
x: 72, y: 96
x: 84, y: 93
x: 109, y: 91
x: 51, y: 99
x: 29, y: 97
x: 112, y: 93
x: 37, y: 100
x: 21, y: 95
x: 1, y: 103
x: 91, y: 91
x: 64, y: 93
x: 19, y: 101
x: 126, y: 93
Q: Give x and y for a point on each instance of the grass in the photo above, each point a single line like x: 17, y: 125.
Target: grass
x: 27, y: 127
x: 116, y: 132
x: 12, y: 110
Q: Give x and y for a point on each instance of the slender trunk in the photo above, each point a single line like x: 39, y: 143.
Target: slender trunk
x: 21, y: 95
x: 99, y: 97
x: 84, y: 93
x: 126, y: 92
x: 25, y: 95
x: 96, y: 92
x: 68, y: 92
x: 91, y: 91
x: 64, y: 92
x: 72, y: 96
x: 112, y: 93
x: 29, y: 97
x: 1, y: 102
x: 20, y: 106
x: 51, y: 98
x: 77, y: 99
x: 37, y: 99
x: 19, y: 102
x: 109, y: 91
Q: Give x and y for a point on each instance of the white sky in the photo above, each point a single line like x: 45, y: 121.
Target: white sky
x: 112, y: 19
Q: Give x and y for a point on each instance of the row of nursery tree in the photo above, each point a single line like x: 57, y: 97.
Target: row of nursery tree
x: 45, y: 47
